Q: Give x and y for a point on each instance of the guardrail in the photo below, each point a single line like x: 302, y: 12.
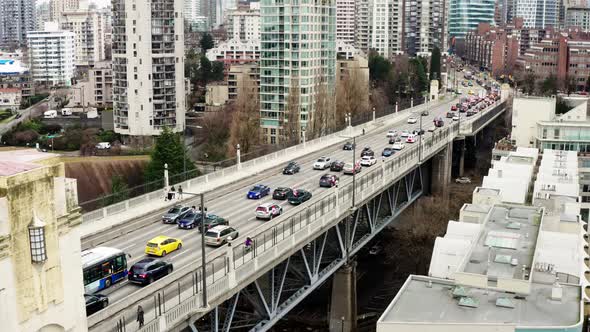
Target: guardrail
x: 261, y: 163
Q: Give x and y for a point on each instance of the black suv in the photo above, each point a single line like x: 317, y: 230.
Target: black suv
x: 291, y: 168
x: 337, y: 166
x: 95, y: 303
x: 348, y: 146
x: 367, y: 152
x: 281, y: 193
x: 147, y: 270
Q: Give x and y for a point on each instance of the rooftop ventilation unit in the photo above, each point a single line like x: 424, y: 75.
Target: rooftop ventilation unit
x: 505, y: 302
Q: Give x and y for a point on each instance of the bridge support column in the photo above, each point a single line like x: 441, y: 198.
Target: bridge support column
x: 441, y: 171
x: 461, y: 157
x: 343, y: 307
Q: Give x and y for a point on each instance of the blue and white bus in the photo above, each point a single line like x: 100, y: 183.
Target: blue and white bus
x: 102, y: 266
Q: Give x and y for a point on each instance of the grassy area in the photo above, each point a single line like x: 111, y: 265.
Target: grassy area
x: 7, y: 119
x: 105, y: 158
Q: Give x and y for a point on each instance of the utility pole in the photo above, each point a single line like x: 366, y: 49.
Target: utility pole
x: 203, y: 261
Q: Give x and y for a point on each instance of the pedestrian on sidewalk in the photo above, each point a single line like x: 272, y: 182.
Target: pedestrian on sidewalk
x: 363, y: 131
x: 140, y: 316
x: 179, y: 192
x: 172, y: 192
x: 166, y: 194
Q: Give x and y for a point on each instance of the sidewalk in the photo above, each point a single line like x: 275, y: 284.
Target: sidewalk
x: 111, y: 216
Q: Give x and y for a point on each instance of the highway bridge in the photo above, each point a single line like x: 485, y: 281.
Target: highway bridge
x: 292, y: 254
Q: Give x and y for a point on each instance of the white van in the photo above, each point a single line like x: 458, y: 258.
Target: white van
x: 50, y: 114
x: 103, y: 145
x: 66, y: 111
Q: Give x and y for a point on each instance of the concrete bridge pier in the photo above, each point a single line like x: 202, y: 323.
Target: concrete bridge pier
x: 343, y: 306
x: 442, y: 164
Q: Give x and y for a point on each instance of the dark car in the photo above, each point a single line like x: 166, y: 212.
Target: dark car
x: 438, y: 122
x: 337, y: 166
x: 418, y: 132
x: 95, y: 303
x: 299, y: 196
x: 281, y: 193
x: 470, y: 113
x: 424, y: 113
x: 291, y: 168
x: 174, y: 214
x: 190, y: 220
x: 450, y: 115
x: 258, y: 191
x: 388, y: 152
x: 147, y: 270
x: 328, y: 180
x: 367, y: 152
x: 213, y: 220
x: 348, y: 146
x: 392, y: 140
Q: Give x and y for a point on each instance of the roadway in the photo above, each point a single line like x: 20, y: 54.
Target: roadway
x: 239, y: 210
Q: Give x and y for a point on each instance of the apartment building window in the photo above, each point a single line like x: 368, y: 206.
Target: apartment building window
x: 555, y: 133
x: 544, y: 133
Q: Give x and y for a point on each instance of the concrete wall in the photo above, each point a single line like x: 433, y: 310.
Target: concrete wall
x: 525, y: 114
x: 441, y: 327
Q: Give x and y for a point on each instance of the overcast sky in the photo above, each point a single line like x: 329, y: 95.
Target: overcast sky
x: 99, y: 3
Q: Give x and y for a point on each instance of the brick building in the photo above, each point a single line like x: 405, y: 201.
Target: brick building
x: 491, y: 48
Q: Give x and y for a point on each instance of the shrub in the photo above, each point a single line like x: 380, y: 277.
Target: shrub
x: 24, y: 137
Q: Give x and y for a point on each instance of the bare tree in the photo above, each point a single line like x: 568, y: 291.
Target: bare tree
x: 245, y: 127
x: 352, y: 95
x: 291, y: 121
x: 321, y: 119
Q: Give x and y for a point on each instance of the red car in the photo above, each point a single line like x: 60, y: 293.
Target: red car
x: 453, y: 108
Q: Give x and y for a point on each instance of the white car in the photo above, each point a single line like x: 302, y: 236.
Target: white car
x: 322, y: 163
x: 432, y: 129
x: 268, y: 211
x: 455, y: 118
x: 398, y: 146
x: 463, y: 180
x: 412, y: 120
x: 392, y: 133
x: 405, y: 133
x: 411, y: 139
x: 368, y: 161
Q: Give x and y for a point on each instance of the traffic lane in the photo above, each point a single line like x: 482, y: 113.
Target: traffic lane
x: 178, y: 258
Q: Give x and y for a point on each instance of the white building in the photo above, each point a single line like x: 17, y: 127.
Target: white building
x: 148, y: 67
x: 578, y: 17
x: 501, y: 267
x: 234, y: 51
x: 89, y: 27
x: 58, y: 7
x: 362, y: 25
x: 526, y: 111
x: 10, y: 98
x: 345, y: 21
x: 386, y: 27
x: 243, y: 24
x: 537, y: 13
x: 17, y: 17
x: 52, y: 54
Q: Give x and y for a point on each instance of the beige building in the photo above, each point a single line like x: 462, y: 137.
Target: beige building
x: 100, y: 79
x: 216, y: 94
x: 41, y: 287
x: 89, y: 27
x: 58, y: 7
x: 10, y: 98
x: 237, y: 76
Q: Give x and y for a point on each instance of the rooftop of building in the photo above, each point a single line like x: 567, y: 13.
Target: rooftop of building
x: 12, y: 67
x: 14, y: 161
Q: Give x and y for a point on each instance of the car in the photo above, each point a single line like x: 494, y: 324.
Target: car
x: 398, y: 146
x: 424, y: 113
x: 432, y: 129
x: 391, y: 133
x: 454, y: 107
x: 418, y: 132
x: 438, y: 122
x: 463, y: 180
x: 470, y: 92
x: 412, y: 120
x: 470, y: 84
x: 405, y: 133
x: 190, y: 220
x: 162, y: 245
x: 368, y: 161
x: 450, y: 115
x: 291, y: 168
x: 322, y: 163
x: 175, y: 213
x: 268, y: 211
x: 457, y: 105
x: 348, y: 146
x: 411, y: 139
x: 367, y: 152
x: 299, y: 196
x: 219, y: 235
x: 337, y: 166
x: 387, y: 152
x: 392, y: 140
x: 328, y: 180
x: 456, y: 118
x: 470, y: 113
x: 148, y: 270
x: 212, y: 220
x: 95, y: 303
x: 463, y: 109
x: 281, y: 193
x: 350, y: 169
x: 258, y: 191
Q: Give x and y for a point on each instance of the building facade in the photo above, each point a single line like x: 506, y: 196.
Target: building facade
x: 148, y: 68
x: 494, y: 49
x: 578, y: 17
x: 386, y: 27
x: 362, y: 25
x: 14, y: 74
x: 41, y: 16
x: 89, y: 26
x: 239, y: 76
x: 465, y: 15
x: 234, y: 51
x: 17, y: 17
x: 58, y: 7
x: 345, y: 21
x: 100, y: 79
x: 52, y: 54
x: 298, y: 50
x: 538, y: 13
x: 425, y: 26
x: 244, y: 24
x: 42, y: 288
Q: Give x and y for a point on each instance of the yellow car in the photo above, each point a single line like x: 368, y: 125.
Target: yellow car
x: 162, y: 245
x: 470, y: 92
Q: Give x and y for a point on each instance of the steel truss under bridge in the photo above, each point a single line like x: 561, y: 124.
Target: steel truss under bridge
x: 261, y: 304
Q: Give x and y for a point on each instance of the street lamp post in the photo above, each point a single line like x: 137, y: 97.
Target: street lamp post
x: 203, y: 261
x: 184, y: 146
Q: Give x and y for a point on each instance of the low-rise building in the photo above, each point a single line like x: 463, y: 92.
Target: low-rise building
x: 238, y: 75
x: 100, y: 78
x: 216, y: 94
x: 10, y: 98
x: 502, y: 267
x: 234, y: 51
x: 494, y: 49
x: 14, y: 74
x: 578, y: 17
